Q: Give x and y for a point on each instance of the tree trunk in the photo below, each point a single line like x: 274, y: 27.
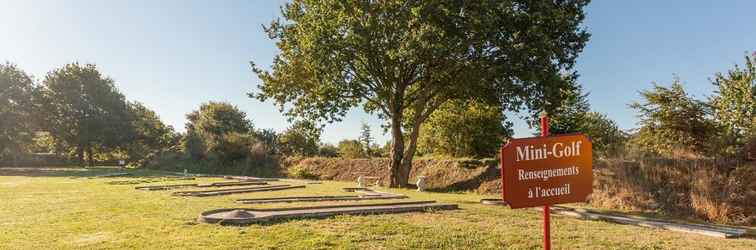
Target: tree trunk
x: 90, y: 158
x: 406, y: 166
x: 396, y: 178
x: 80, y: 154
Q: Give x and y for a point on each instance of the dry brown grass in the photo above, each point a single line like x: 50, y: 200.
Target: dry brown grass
x: 712, y: 190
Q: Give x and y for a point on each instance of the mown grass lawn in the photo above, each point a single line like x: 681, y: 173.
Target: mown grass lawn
x: 61, y: 210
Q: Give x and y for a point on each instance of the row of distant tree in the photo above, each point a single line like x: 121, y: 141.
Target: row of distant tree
x: 75, y: 111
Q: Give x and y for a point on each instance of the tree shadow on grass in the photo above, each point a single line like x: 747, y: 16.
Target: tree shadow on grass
x: 78, y: 172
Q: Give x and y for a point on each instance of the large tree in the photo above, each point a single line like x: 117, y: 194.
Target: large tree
x: 404, y: 59
x: 16, y: 109
x: 83, y: 109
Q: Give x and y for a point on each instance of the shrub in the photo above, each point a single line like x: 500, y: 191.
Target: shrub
x: 351, y: 149
x: 301, y: 172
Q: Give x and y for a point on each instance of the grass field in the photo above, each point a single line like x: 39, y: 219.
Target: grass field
x: 58, y: 209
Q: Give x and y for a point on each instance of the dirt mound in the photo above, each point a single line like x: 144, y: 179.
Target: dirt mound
x: 441, y: 175
x: 712, y: 190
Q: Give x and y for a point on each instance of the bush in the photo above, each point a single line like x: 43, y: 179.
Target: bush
x: 328, y: 150
x: 301, y: 172
x: 460, y: 129
x: 673, y: 123
x: 351, y: 149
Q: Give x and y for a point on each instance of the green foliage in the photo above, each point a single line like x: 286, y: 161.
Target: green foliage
x: 351, y: 149
x: 398, y: 58
x: 235, y: 146
x: 301, y: 139
x: 148, y: 135
x: 366, y: 139
x: 301, y: 172
x: 672, y: 121
x: 207, y: 127
x: 569, y: 116
x: 83, y: 109
x: 268, y: 139
x: 734, y: 105
x: 573, y: 115
x: 607, y: 138
x: 328, y: 150
x: 16, y: 110
x: 461, y: 129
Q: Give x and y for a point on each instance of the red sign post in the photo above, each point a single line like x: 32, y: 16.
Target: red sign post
x: 546, y: 170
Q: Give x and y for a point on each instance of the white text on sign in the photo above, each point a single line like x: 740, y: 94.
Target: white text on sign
x: 557, y: 150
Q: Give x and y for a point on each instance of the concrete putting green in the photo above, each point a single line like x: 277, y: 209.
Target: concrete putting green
x: 367, y: 195
x: 498, y: 202
x: 355, y: 189
x: 216, y: 192
x: 214, y: 184
x: 150, y: 180
x: 245, y: 216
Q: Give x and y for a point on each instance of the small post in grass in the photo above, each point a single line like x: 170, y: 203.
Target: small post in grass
x: 546, y: 211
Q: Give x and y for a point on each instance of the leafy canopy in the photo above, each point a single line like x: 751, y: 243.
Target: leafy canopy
x: 16, y: 109
x: 461, y: 129
x: 207, y: 127
x: 81, y: 108
x: 390, y: 55
x: 671, y: 120
x: 734, y: 104
x: 301, y: 139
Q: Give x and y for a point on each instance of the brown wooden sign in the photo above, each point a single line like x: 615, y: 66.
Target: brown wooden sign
x: 547, y: 170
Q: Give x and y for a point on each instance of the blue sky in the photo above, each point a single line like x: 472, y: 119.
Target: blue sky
x: 175, y: 55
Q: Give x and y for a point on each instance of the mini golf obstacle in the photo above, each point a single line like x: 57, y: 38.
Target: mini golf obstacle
x: 245, y: 216
x: 150, y: 180
x: 367, y: 195
x: 216, y: 192
x: 109, y: 175
x: 214, y: 184
x: 248, y: 178
x: 498, y: 202
x: 355, y: 189
x: 702, y: 229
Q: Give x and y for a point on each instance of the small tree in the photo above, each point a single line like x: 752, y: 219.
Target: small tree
x: 607, y: 138
x: 366, y: 139
x: 148, y: 135
x: 569, y: 115
x: 301, y: 139
x: 573, y: 115
x: 734, y: 105
x: 462, y: 129
x: 404, y: 59
x: 671, y: 120
x: 328, y: 150
x: 351, y: 149
x: 207, y: 127
x: 269, y: 140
